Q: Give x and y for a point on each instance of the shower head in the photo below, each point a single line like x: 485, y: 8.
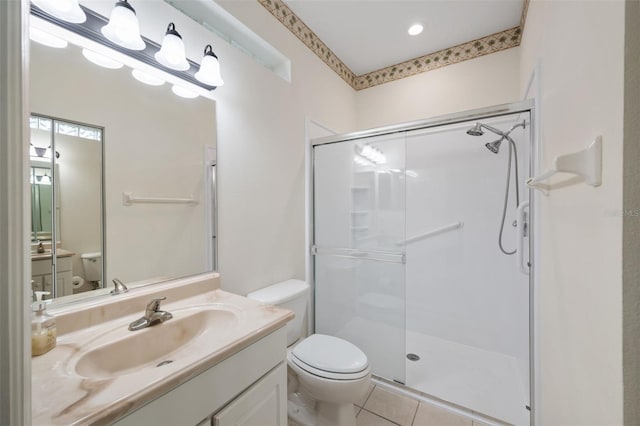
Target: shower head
x: 494, y: 146
x: 476, y: 130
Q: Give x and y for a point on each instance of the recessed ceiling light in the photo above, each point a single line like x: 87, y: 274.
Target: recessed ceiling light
x: 101, y: 60
x: 415, y: 29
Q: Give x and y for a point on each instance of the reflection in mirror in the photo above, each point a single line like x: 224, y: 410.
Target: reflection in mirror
x: 155, y: 145
x: 66, y: 172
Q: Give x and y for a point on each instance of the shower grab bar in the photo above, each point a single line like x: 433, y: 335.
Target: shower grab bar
x: 432, y: 233
x: 128, y: 199
x: 371, y: 255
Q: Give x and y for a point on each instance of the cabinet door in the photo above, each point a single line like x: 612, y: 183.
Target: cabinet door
x: 263, y: 404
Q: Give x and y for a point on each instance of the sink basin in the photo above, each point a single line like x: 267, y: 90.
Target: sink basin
x: 121, y: 352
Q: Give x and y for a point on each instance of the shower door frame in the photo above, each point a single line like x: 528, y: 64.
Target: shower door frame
x: 526, y: 106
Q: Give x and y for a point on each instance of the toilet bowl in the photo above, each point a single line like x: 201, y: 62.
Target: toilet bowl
x: 335, y: 373
x: 331, y: 373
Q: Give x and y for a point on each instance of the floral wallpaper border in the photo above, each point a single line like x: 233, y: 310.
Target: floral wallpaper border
x: 492, y: 43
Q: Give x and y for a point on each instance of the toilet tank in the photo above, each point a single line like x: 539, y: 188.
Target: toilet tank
x: 292, y: 295
x: 92, y: 265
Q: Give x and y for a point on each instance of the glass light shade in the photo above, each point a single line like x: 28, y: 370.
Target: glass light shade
x: 67, y: 10
x: 46, y: 39
x: 209, y: 72
x: 171, y: 53
x: 46, y: 180
x: 123, y: 28
x: 145, y: 78
x: 183, y: 92
x: 101, y: 60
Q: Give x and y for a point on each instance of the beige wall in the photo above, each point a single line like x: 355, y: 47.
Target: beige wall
x: 261, y: 131
x: 579, y: 48
x: 488, y: 80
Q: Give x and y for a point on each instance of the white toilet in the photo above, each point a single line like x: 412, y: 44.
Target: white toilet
x: 92, y: 265
x: 332, y: 373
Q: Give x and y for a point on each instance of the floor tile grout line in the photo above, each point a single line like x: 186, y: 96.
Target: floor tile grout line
x: 382, y: 417
x: 368, y: 396
x: 415, y: 413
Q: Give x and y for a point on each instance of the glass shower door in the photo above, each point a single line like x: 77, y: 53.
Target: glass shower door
x: 359, y: 221
x: 467, y: 301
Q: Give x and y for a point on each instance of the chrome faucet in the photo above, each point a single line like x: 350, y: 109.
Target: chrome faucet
x: 118, y: 287
x: 152, y: 315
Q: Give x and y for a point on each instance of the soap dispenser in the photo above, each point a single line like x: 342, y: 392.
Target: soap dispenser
x: 43, y: 327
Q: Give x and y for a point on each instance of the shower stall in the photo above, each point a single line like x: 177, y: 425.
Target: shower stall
x: 421, y: 242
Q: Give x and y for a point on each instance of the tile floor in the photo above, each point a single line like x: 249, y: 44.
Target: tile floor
x: 383, y: 407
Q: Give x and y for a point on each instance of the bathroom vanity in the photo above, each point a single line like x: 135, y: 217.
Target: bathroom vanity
x: 220, y: 360
x: 41, y: 272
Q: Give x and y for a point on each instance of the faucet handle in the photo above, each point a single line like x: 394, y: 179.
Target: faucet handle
x: 118, y: 287
x: 154, y: 305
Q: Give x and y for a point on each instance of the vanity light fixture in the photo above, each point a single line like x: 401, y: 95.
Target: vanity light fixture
x: 67, y: 10
x: 183, y: 92
x: 145, y: 78
x: 101, y: 60
x: 123, y: 28
x: 171, y: 54
x: 415, y: 29
x: 209, y: 72
x: 117, y: 40
x: 45, y: 180
x: 46, y: 39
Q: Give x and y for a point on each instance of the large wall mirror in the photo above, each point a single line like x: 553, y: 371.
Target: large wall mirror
x: 123, y: 177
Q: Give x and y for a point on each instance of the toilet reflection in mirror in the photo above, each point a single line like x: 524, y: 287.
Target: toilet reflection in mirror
x: 66, y: 206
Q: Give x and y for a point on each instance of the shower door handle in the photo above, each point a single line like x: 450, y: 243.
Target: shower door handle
x: 522, y: 233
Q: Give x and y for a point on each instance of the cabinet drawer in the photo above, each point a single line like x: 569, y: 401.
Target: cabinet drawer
x: 41, y: 267
x: 64, y: 264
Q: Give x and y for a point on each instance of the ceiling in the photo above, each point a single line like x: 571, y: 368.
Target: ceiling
x: 370, y: 35
x: 366, y: 41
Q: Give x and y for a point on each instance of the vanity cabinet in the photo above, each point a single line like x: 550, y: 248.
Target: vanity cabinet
x: 260, y: 404
x: 43, y: 279
x: 247, y: 388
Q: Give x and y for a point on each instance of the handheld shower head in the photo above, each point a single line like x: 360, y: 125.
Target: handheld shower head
x: 476, y: 130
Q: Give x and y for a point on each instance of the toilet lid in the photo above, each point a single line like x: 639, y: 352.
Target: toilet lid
x: 331, y: 354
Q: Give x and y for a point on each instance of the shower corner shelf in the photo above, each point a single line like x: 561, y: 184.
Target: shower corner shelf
x: 586, y: 163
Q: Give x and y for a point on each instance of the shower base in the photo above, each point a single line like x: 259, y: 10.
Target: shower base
x: 486, y: 382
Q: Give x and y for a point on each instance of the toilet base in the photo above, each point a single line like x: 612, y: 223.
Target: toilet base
x: 306, y: 411
x: 329, y: 414
x: 301, y: 409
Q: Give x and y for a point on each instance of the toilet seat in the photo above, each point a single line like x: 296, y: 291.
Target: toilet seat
x: 330, y: 357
